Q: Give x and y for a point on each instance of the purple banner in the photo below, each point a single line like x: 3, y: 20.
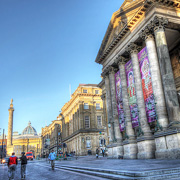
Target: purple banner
x: 119, y: 101
x: 131, y: 93
x: 147, y: 85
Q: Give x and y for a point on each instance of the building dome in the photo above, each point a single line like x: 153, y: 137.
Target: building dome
x: 29, y: 130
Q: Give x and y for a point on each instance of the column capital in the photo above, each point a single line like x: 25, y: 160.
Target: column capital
x: 121, y: 60
x: 133, y: 48
x: 146, y: 33
x: 111, y: 70
x: 103, y: 96
x: 158, y: 23
x: 105, y: 73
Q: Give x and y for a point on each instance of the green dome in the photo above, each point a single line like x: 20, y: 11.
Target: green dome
x: 29, y: 130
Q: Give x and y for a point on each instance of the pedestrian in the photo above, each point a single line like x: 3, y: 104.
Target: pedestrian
x: 23, y: 165
x: 97, y: 153
x: 12, y: 163
x: 103, y: 152
x: 52, y: 157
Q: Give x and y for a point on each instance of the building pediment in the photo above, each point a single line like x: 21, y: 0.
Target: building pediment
x: 125, y: 20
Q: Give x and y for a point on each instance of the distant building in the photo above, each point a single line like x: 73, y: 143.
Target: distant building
x: 3, y: 145
x: 51, y: 137
x: 29, y: 140
x: 83, y: 122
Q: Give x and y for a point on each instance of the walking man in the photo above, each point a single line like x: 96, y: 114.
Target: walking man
x: 52, y: 157
x: 97, y: 153
x: 23, y: 165
x: 12, y: 163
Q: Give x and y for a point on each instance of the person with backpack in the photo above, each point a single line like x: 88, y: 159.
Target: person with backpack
x: 23, y: 165
x: 12, y: 163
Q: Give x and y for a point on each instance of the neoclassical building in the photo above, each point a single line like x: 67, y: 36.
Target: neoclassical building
x: 84, y: 126
x: 140, y: 55
x: 51, y: 137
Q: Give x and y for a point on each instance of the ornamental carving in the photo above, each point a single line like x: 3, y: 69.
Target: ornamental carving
x: 120, y: 60
x: 158, y: 23
x: 133, y: 48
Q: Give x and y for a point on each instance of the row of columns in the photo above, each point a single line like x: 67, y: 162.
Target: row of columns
x: 163, y: 88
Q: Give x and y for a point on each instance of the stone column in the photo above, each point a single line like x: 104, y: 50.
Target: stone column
x: 170, y: 92
x: 118, y: 135
x: 10, y: 129
x: 108, y: 106
x: 156, y: 78
x: 130, y: 146
x: 146, y: 145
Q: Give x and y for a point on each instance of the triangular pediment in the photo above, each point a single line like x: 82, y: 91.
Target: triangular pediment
x: 125, y: 3
x: 122, y: 20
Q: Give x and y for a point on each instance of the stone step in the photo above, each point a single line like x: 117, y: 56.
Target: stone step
x: 153, y: 174
x: 99, y: 174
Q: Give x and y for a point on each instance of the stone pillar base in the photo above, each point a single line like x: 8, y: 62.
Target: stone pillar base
x: 115, y: 151
x: 146, y: 149
x: 167, y: 145
x: 9, y: 150
x: 130, y: 151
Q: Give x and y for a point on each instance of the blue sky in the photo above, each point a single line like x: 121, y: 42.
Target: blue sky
x: 46, y: 45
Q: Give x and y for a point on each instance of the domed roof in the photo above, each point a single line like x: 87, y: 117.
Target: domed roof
x: 29, y: 130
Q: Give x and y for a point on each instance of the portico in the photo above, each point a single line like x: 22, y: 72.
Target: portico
x: 141, y: 85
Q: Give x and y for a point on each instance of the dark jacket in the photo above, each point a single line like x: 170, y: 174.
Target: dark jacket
x: 12, y: 160
x: 97, y: 151
x: 23, y: 160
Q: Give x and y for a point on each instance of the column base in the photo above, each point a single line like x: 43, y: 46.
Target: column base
x: 167, y: 145
x: 9, y: 150
x: 146, y: 148
x: 115, y: 151
x: 130, y: 150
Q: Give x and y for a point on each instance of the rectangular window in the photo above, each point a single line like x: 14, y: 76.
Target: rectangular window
x: 99, y: 121
x: 88, y: 143
x: 96, y: 91
x: 87, y: 122
x: 98, y: 106
x: 86, y: 106
x: 84, y: 90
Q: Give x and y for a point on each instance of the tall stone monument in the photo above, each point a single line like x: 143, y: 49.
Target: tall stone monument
x: 10, y: 129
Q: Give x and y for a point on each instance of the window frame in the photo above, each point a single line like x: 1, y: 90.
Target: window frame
x: 85, y: 91
x: 98, y: 121
x: 85, y: 121
x: 97, y: 106
x: 86, y: 104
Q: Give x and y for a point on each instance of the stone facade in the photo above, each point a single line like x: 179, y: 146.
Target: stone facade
x: 144, y: 35
x: 51, y: 133
x: 84, y: 127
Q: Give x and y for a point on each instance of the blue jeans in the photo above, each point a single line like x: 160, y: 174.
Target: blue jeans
x: 11, y: 171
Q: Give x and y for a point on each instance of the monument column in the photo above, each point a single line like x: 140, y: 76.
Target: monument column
x: 10, y: 129
x: 170, y: 92
x: 130, y: 146
x: 146, y: 145
x: 118, y: 135
x: 156, y: 78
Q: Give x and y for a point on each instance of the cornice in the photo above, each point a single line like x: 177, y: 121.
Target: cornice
x: 102, y: 54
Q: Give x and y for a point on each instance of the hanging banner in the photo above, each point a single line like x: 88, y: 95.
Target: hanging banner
x: 131, y: 93
x: 147, y: 85
x: 119, y: 100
